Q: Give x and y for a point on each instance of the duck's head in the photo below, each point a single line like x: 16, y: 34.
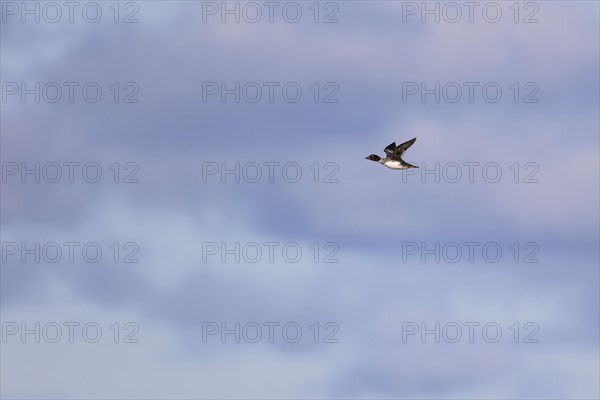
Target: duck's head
x: 373, y: 157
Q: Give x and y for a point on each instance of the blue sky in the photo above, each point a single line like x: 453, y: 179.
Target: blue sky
x: 370, y: 213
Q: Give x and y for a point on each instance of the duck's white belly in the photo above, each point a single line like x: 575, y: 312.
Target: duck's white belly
x: 394, y: 165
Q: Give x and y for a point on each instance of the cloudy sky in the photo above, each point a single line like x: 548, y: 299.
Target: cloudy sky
x: 498, y: 228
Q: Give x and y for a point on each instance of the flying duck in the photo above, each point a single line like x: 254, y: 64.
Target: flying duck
x: 393, y: 155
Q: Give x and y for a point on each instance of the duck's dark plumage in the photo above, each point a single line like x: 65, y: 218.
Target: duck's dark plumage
x: 404, y: 146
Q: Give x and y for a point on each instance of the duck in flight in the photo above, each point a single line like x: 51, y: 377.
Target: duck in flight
x: 393, y: 156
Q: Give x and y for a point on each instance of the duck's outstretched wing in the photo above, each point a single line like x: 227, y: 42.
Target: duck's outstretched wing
x: 404, y: 146
x: 390, y: 149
